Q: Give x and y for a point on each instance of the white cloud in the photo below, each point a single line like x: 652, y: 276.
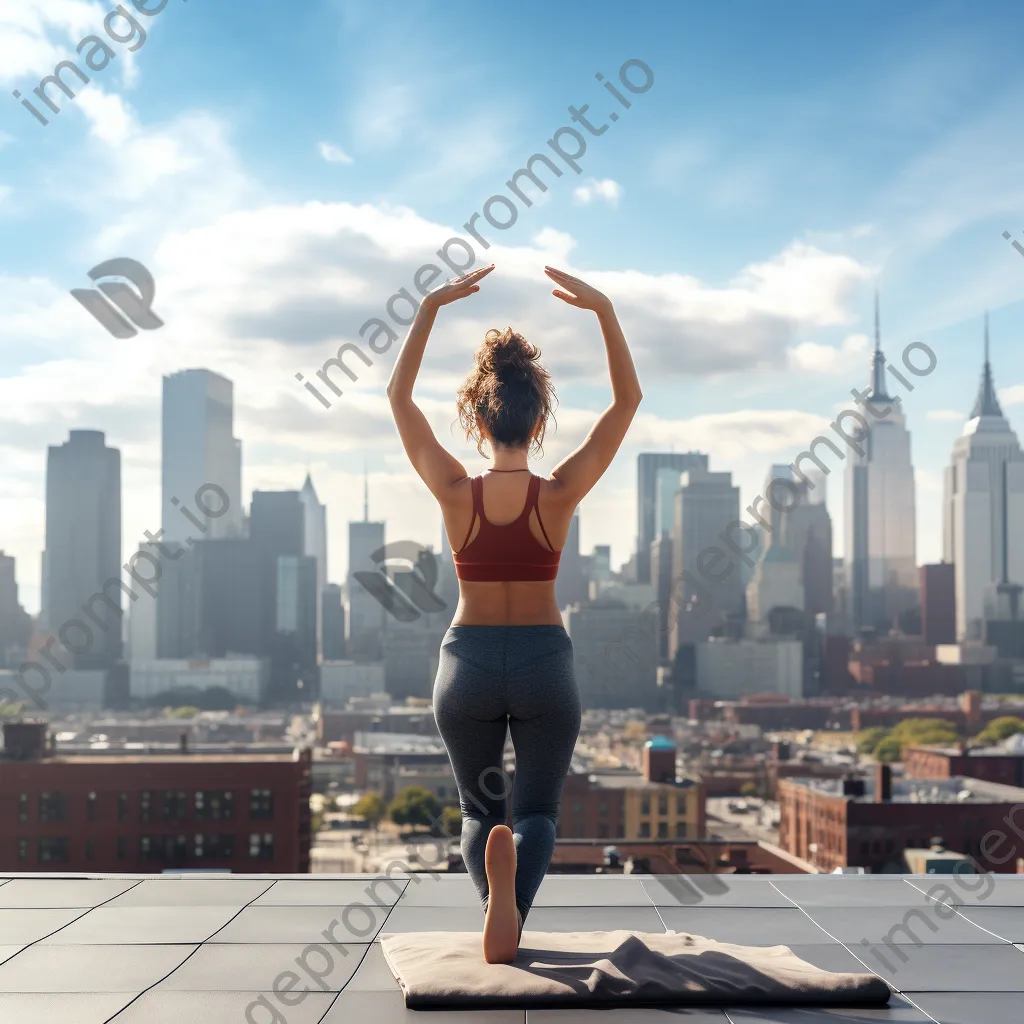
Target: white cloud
x: 1012, y: 396
x: 333, y: 154
x: 812, y: 357
x: 606, y: 189
x: 945, y: 415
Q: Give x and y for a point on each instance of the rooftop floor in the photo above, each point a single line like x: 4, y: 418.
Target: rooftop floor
x: 304, y: 949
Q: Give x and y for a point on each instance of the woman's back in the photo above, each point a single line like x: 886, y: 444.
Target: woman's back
x: 506, y: 534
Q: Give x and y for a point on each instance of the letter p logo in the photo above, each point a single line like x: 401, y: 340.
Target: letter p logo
x: 133, y: 303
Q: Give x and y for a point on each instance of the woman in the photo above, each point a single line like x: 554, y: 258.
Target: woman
x: 506, y: 662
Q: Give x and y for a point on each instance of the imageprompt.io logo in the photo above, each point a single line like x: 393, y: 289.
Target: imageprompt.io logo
x: 122, y: 310
x: 405, y: 592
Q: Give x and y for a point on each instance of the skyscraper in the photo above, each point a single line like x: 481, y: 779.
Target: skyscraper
x: 647, y: 466
x: 706, y: 504
x: 315, y: 516
x: 83, y: 548
x: 984, y: 509
x: 15, y: 623
x: 198, y: 453
x: 365, y: 641
x: 198, y: 447
x: 881, y: 541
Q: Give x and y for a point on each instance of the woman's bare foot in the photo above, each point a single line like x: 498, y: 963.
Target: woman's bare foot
x: 501, y: 925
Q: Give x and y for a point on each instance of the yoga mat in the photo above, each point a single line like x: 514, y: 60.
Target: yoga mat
x: 619, y: 968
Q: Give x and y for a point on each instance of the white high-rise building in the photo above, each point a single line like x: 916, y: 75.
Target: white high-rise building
x: 365, y: 639
x: 983, y: 511
x: 881, y: 534
x: 315, y: 542
x: 199, y: 448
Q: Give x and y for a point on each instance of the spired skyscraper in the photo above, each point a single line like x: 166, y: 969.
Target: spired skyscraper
x: 881, y: 536
x: 315, y: 545
x: 983, y: 510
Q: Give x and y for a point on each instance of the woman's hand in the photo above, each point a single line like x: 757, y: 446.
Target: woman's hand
x: 457, y: 288
x: 578, y: 293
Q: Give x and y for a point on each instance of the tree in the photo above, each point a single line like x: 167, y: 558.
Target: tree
x: 451, y: 821
x: 870, y: 738
x: 890, y: 749
x: 415, y: 805
x: 370, y: 807
x: 1000, y: 729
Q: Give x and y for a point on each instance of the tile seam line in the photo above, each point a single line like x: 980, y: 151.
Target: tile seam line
x: 85, y: 910
x: 654, y: 904
x: 198, y: 946
x: 899, y: 992
x: 957, y: 912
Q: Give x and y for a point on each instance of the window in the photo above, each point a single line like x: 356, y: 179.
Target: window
x: 122, y: 848
x: 163, y: 849
x: 261, y: 805
x: 681, y: 804
x: 680, y: 830
x: 663, y: 830
x: 213, y: 847
x: 122, y: 806
x: 23, y: 807
x: 663, y: 804
x: 53, y: 807
x: 602, y: 808
x: 90, y: 807
x: 53, y: 851
x: 175, y: 805
x: 602, y: 831
x: 645, y: 830
x: 145, y: 800
x: 214, y: 804
x: 577, y: 808
x: 645, y: 804
x: 22, y: 849
x: 261, y: 846
x: 90, y: 849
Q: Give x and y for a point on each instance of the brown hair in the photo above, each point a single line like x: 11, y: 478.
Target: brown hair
x: 509, y: 390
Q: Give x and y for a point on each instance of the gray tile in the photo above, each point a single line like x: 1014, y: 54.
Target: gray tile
x: 305, y: 924
x: 595, y: 919
x: 6, y: 952
x: 45, y: 1008
x: 130, y: 925
x: 429, y: 919
x: 832, y: 956
x: 61, y: 892
x: 609, y: 891
x: 1006, y: 922
x: 971, y: 1007
x: 933, y: 923
x: 899, y: 1011
x: 373, y: 974
x: 194, y: 892
x: 433, y: 893
x: 993, y: 891
x: 946, y: 968
x: 755, y: 926
x: 837, y: 891
x: 90, y: 968
x: 713, y: 890
x: 162, y: 1007
x: 228, y: 967
x: 374, y: 891
x: 25, y: 926
x: 389, y: 1008
x: 629, y: 1015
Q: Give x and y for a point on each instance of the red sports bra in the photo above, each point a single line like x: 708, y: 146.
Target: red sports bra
x: 509, y: 552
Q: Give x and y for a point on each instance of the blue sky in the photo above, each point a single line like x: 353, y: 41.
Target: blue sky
x: 282, y: 174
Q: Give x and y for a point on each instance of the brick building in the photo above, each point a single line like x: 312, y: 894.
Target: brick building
x: 870, y: 822
x: 993, y: 764
x: 239, y: 812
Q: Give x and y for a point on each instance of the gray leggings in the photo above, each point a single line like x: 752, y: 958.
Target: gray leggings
x: 493, y: 679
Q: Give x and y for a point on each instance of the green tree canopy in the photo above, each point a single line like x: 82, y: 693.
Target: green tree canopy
x: 415, y: 805
x: 370, y: 807
x: 888, y: 750
x: 999, y: 729
x: 870, y: 738
x: 451, y: 819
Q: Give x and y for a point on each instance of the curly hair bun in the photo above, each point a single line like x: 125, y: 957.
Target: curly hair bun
x: 508, y: 390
